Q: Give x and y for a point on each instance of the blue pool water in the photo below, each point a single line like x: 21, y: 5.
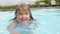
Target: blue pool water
x: 48, y: 19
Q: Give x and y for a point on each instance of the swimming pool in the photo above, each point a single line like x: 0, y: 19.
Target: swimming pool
x: 48, y: 19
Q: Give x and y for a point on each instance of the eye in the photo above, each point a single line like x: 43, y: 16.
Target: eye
x: 20, y: 13
x: 26, y: 13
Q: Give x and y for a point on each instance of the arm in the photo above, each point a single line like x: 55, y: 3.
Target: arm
x: 9, y: 28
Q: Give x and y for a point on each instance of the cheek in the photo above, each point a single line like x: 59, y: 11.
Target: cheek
x: 19, y: 16
x: 28, y: 16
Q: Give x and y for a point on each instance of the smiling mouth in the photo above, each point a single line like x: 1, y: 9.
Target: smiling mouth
x: 24, y: 19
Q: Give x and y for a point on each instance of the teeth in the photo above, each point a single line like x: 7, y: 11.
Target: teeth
x: 24, y: 19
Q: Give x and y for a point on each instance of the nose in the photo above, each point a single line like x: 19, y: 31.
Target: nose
x: 23, y: 16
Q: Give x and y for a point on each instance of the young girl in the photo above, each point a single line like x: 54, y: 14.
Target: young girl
x: 23, y: 23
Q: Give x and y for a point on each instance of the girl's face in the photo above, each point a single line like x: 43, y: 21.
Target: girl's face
x: 23, y: 15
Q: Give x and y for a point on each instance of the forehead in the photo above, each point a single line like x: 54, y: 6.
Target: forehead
x: 23, y: 9
x: 23, y: 12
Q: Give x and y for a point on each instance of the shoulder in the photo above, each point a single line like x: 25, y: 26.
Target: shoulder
x: 33, y: 22
x: 13, y: 22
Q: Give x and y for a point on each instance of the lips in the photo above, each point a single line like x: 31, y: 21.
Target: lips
x: 24, y: 19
